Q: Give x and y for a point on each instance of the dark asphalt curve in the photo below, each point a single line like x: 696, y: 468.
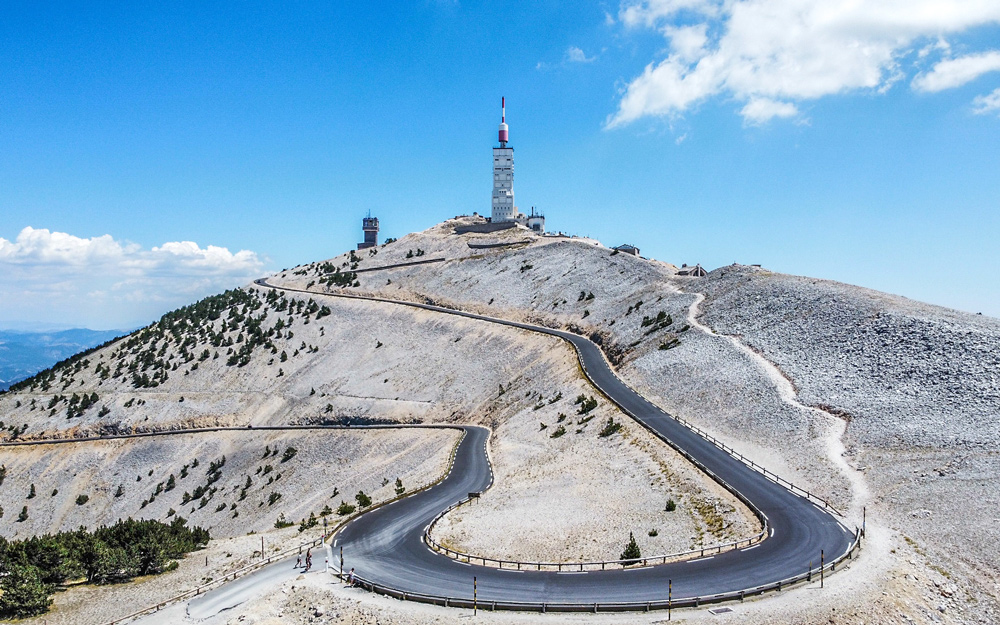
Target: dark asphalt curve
x: 385, y: 546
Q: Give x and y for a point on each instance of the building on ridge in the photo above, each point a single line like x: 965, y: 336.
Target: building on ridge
x: 370, y: 226
x: 625, y: 248
x: 697, y: 271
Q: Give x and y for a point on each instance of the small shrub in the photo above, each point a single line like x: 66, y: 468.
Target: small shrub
x: 632, y: 553
x: 400, y: 489
x: 31, y: 492
x: 363, y: 500
x: 21, y: 518
x: 345, y: 508
x: 289, y: 454
x: 559, y: 432
x: 282, y: 522
x: 82, y: 499
x: 587, y: 405
x: 273, y: 497
x: 671, y: 506
x: 610, y: 428
x: 653, y: 532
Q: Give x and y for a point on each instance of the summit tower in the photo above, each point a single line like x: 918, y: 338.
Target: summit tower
x: 503, y: 173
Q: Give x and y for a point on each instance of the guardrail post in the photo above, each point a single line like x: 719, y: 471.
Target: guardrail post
x: 822, y: 558
x: 864, y: 519
x: 475, y: 604
x: 809, y: 576
x: 670, y: 597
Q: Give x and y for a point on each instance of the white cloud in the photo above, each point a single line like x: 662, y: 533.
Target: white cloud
x: 760, y: 110
x: 687, y: 42
x: 952, y: 73
x: 651, y: 12
x: 989, y: 103
x: 576, y: 55
x: 783, y: 50
x: 100, y: 282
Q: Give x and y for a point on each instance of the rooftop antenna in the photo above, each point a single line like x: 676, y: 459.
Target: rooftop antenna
x: 503, y: 135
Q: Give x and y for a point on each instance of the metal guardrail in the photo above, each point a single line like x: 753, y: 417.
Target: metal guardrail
x: 634, y: 606
x: 203, y: 588
x: 774, y: 477
x: 682, y: 602
x: 580, y: 566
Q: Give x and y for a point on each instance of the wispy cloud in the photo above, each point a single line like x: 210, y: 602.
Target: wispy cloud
x: 576, y: 55
x: 103, y: 282
x: 760, y: 110
x: 952, y: 73
x: 572, y: 55
x: 989, y: 103
x: 773, y: 54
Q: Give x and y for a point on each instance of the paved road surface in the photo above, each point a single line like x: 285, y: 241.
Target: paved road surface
x: 385, y: 546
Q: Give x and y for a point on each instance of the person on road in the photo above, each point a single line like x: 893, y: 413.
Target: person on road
x: 350, y: 577
x: 298, y: 561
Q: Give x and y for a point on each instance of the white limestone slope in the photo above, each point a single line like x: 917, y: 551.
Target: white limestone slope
x: 865, y: 398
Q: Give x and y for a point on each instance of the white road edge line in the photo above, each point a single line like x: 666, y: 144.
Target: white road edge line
x: 700, y: 560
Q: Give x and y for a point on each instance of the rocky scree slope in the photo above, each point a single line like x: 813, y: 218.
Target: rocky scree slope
x: 919, y: 386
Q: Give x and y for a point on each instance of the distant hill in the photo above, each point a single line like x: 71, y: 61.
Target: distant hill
x: 23, y: 354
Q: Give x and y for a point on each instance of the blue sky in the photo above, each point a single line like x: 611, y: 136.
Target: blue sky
x: 158, y: 154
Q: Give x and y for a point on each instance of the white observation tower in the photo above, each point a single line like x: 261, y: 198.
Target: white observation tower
x: 503, y: 174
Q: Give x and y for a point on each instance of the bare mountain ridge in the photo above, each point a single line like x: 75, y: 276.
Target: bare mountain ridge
x: 910, y: 477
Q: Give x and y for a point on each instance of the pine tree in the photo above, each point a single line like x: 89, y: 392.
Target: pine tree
x: 24, y: 594
x: 631, y: 554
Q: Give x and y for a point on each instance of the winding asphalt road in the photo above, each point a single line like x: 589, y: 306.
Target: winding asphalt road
x: 385, y: 546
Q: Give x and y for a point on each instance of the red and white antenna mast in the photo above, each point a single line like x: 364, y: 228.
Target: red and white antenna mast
x: 503, y: 122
